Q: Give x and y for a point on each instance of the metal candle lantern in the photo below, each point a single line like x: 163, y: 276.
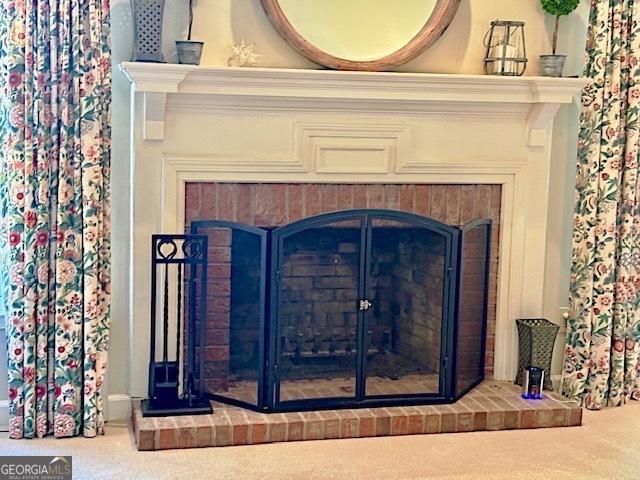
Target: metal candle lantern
x: 506, y: 52
x: 147, y: 29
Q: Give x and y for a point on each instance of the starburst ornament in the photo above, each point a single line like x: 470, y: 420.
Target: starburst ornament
x: 243, y: 55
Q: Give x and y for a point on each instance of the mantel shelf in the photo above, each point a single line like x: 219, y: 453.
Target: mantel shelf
x: 301, y: 83
x: 537, y: 97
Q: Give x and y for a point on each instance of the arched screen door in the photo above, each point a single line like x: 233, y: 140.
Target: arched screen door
x: 360, y: 308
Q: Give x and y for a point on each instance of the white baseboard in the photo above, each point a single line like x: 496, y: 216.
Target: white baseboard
x: 4, y: 415
x: 118, y: 408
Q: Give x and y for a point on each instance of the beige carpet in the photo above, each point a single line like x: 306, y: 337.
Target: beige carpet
x: 605, y: 447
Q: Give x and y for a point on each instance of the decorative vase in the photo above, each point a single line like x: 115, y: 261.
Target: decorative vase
x: 147, y: 28
x: 189, y: 51
x: 552, y: 65
x: 536, y: 338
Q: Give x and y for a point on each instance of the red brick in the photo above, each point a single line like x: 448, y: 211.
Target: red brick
x: 432, y: 422
x: 219, y: 270
x: 219, y: 254
x: 483, y: 202
x: 383, y: 422
x: 278, y: 432
x: 313, y: 426
x: 166, y: 435
x: 223, y: 436
x: 438, y: 198
x: 219, y: 288
x: 296, y: 203
x: 392, y: 197
x: 219, y: 305
x: 146, y: 440
x: 575, y: 418
x: 209, y: 201
x: 259, y: 433
x: 192, y: 202
x: 263, y: 203
x: 350, y: 423
x: 367, y: 426
x: 422, y: 203
x: 468, y: 196
x: 344, y: 197
x: 220, y: 237
x: 240, y: 434
x: 452, y: 216
x: 204, y: 435
x: 213, y: 353
x: 225, y: 202
x: 186, y: 437
x: 407, y: 203
x: 329, y: 198
x: 312, y: 200
x: 376, y: 196
x: 399, y: 425
x: 295, y: 427
x: 360, y: 196
x: 217, y: 337
x: 480, y: 421
x: 278, y: 206
x: 244, y: 201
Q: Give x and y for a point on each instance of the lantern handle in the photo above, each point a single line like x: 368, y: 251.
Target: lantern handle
x: 485, y: 39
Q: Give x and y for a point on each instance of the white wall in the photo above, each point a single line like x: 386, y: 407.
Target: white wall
x: 562, y: 185
x: 221, y: 23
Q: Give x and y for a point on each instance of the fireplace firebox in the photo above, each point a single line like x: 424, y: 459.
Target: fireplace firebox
x: 358, y: 308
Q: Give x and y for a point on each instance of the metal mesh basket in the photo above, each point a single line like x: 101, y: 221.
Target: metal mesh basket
x: 536, y: 338
x: 147, y: 25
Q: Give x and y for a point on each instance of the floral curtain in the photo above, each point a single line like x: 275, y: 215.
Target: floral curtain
x: 55, y: 70
x: 603, y: 338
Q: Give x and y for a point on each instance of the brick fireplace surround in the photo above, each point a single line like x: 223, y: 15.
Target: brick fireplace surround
x: 278, y: 204
x: 269, y: 146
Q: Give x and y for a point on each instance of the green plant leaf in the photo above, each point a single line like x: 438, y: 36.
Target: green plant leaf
x: 559, y: 7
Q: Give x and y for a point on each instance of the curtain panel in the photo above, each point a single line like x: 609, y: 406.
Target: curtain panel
x: 54, y: 169
x: 603, y: 333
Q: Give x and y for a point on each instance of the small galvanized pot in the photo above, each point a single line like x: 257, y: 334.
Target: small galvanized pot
x: 552, y: 65
x: 189, y: 51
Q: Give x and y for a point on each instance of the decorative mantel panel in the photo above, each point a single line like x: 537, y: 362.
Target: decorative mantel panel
x: 223, y: 124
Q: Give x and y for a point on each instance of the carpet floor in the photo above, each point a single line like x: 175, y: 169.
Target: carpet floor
x: 605, y: 447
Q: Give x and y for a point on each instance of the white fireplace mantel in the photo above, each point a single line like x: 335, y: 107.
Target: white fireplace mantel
x: 277, y: 125
x: 365, y: 91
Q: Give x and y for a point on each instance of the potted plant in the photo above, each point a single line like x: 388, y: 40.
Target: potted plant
x: 189, y: 51
x: 553, y: 65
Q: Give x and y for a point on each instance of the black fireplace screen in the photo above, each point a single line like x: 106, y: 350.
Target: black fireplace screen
x: 354, y: 308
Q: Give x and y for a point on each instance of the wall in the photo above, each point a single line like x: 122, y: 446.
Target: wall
x: 223, y: 22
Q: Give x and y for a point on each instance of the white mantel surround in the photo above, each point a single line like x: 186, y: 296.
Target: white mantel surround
x: 274, y: 125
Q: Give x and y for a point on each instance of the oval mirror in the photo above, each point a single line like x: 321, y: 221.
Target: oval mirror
x: 360, y: 34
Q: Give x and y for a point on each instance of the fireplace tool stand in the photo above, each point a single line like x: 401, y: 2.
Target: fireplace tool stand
x: 183, y: 259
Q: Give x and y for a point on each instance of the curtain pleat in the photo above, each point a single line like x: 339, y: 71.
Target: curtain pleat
x: 603, y: 333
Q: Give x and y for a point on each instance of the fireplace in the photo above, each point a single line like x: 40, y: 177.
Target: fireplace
x: 355, y: 307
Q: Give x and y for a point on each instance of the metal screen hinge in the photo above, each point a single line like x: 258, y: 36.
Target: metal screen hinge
x: 445, y: 363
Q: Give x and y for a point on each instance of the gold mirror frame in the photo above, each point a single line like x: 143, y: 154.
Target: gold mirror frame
x: 440, y: 18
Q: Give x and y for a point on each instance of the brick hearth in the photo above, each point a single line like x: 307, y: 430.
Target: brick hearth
x: 491, y: 406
